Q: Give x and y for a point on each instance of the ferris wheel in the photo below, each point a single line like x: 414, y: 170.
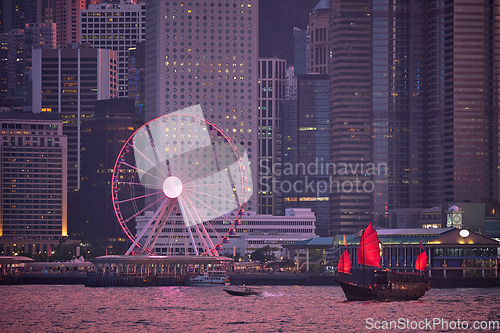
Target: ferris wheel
x: 182, y: 183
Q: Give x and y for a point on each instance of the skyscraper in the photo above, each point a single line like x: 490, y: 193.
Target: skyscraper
x: 318, y: 38
x: 68, y: 82
x: 115, y: 26
x: 14, y: 14
x: 103, y: 135
x: 137, y: 77
x: 413, y: 101
x: 305, y: 177
x: 17, y: 47
x: 350, y: 114
x: 67, y: 16
x: 463, y: 101
x: 32, y: 180
x: 272, y: 76
x: 300, y: 50
x: 377, y: 102
x: 206, y: 52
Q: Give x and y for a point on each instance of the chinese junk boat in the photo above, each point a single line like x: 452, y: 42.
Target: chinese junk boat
x: 385, y: 285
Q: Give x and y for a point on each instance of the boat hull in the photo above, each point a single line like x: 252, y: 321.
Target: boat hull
x: 209, y: 278
x: 242, y: 292
x: 354, y: 292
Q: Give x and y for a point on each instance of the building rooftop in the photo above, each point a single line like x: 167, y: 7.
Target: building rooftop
x: 413, y: 232
x: 322, y: 4
x: 316, y: 242
x: 402, y: 237
x: 47, y: 116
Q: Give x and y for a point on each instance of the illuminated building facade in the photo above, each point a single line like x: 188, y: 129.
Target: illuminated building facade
x: 206, y: 52
x: 68, y: 82
x: 15, y: 60
x: 38, y: 36
x: 255, y: 231
x: 67, y: 16
x: 451, y: 253
x: 116, y: 26
x: 32, y: 180
x: 272, y: 76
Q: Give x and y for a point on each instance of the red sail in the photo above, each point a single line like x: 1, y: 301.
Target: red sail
x: 345, y: 263
x: 421, y: 263
x: 369, y: 249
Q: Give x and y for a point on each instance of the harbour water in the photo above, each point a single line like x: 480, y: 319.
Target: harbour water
x: 75, y: 308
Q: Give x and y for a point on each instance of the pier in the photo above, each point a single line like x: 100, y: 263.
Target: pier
x: 142, y: 270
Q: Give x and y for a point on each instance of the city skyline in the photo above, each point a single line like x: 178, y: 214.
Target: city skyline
x: 161, y: 158
x: 410, y: 89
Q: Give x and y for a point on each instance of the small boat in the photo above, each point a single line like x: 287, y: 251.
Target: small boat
x: 385, y: 285
x: 210, y: 277
x: 243, y: 291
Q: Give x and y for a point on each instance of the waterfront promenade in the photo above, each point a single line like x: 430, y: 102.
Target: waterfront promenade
x: 139, y: 271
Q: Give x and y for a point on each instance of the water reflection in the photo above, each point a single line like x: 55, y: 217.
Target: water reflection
x: 183, y: 309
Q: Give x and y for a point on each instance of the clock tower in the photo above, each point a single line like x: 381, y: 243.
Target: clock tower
x: 454, y: 217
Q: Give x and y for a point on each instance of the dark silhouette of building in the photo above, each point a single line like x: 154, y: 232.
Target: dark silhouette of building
x: 304, y: 171
x: 92, y: 216
x: 137, y: 77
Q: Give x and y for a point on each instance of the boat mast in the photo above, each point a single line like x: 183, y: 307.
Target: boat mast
x: 363, y: 240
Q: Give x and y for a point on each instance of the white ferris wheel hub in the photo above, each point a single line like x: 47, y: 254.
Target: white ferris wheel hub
x: 172, y: 187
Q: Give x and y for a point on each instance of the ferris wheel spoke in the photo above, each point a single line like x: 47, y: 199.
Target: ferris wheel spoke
x: 218, y: 198
x: 157, y: 153
x: 186, y: 223
x: 187, y: 208
x: 146, y: 185
x: 173, y: 223
x: 164, y: 219
x: 213, y: 210
x: 139, y: 212
x: 143, y: 231
x: 209, y: 208
x: 200, y: 222
x: 139, y: 197
x: 148, y: 244
x: 145, y: 157
x: 144, y: 172
x: 221, y: 219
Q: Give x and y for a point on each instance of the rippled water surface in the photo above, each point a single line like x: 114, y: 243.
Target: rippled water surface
x: 37, y: 308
